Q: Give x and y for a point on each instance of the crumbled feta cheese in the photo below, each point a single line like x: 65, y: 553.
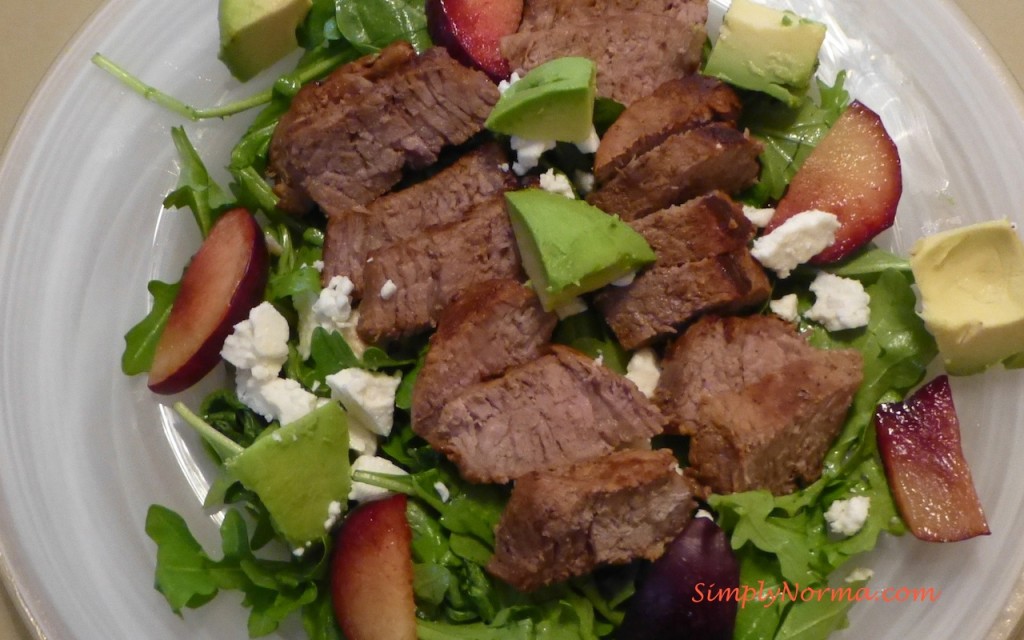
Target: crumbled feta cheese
x: 840, y: 303
x: 260, y: 343
x: 846, y: 517
x: 505, y: 84
x: 330, y: 310
x: 298, y: 552
x: 368, y: 397
x: 362, y: 492
x: 860, y: 574
x: 361, y: 440
x: 625, y: 280
x: 786, y: 307
x: 599, y: 360
x: 281, y: 399
x: 796, y: 241
x: 701, y: 513
x: 591, y: 144
x: 584, y: 181
x: 318, y: 265
x: 528, y: 153
x: 557, y: 183
x: 571, y: 308
x: 333, y: 513
x: 388, y: 289
x: 442, y: 491
x: 758, y: 217
x: 643, y: 370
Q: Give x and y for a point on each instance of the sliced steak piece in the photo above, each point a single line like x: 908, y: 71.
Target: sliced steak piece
x: 441, y: 199
x: 347, y: 139
x: 544, y: 14
x: 556, y: 410
x: 490, y: 327
x: 762, y: 405
x: 709, y: 225
x: 683, y: 166
x: 633, y: 54
x: 612, y: 510
x: 677, y: 105
x: 662, y: 299
x: 428, y: 271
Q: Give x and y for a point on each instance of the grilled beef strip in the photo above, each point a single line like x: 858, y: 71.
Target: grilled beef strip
x: 488, y: 328
x: 677, y: 105
x: 762, y: 405
x: 544, y: 14
x: 685, y: 165
x: 611, y: 510
x: 556, y: 410
x: 346, y: 140
x: 430, y: 269
x: 441, y: 199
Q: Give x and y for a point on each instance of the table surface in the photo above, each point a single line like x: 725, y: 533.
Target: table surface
x: 34, y: 33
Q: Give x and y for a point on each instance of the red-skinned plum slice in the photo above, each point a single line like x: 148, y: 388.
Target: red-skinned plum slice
x: 919, y: 440
x: 679, y: 597
x: 222, y: 283
x: 471, y: 31
x: 371, y: 573
x: 854, y: 173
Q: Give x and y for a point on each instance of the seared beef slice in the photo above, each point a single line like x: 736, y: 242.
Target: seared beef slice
x: 685, y: 165
x: 442, y: 199
x: 559, y: 409
x: 490, y: 327
x: 762, y: 405
x: 634, y: 52
x: 703, y: 265
x: 427, y: 272
x: 677, y: 105
x: 346, y: 140
x: 544, y: 14
x: 611, y: 510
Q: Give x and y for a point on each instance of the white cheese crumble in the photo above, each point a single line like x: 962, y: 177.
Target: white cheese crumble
x: 281, y: 399
x: 361, y: 440
x: 643, y: 370
x: 860, y: 574
x: 368, y: 397
x: 259, y: 344
x: 796, y: 241
x: 625, y: 280
x: 572, y: 307
x: 557, y: 183
x: 592, y: 142
x: 528, y: 153
x: 505, y: 84
x: 318, y: 265
x: 584, y: 181
x: 786, y: 307
x: 362, y: 492
x: 846, y: 517
x: 333, y: 513
x: 840, y: 303
x: 388, y: 289
x: 442, y: 491
x: 758, y: 217
x: 332, y: 311
x: 701, y: 513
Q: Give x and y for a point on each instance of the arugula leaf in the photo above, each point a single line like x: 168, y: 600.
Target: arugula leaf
x: 789, y: 135
x: 141, y: 340
x: 370, y: 25
x: 588, y: 333
x: 196, y: 190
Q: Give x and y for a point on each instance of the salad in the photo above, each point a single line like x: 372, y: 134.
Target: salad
x: 275, y: 589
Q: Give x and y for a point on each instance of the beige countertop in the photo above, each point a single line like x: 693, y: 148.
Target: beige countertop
x: 33, y: 34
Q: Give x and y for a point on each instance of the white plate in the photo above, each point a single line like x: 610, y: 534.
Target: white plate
x: 84, y: 451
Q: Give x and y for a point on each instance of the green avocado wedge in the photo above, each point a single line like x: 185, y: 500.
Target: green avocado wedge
x: 569, y: 247
x: 554, y: 101
x: 255, y: 34
x: 298, y: 471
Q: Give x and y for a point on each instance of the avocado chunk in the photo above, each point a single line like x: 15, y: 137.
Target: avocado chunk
x: 766, y: 50
x: 298, y: 471
x: 255, y: 34
x: 569, y: 247
x: 554, y: 101
x: 971, y: 281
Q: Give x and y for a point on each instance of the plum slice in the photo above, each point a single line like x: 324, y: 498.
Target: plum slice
x: 222, y: 283
x: 919, y: 440
x: 471, y: 31
x: 853, y: 173
x: 371, y: 573
x: 674, y: 597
